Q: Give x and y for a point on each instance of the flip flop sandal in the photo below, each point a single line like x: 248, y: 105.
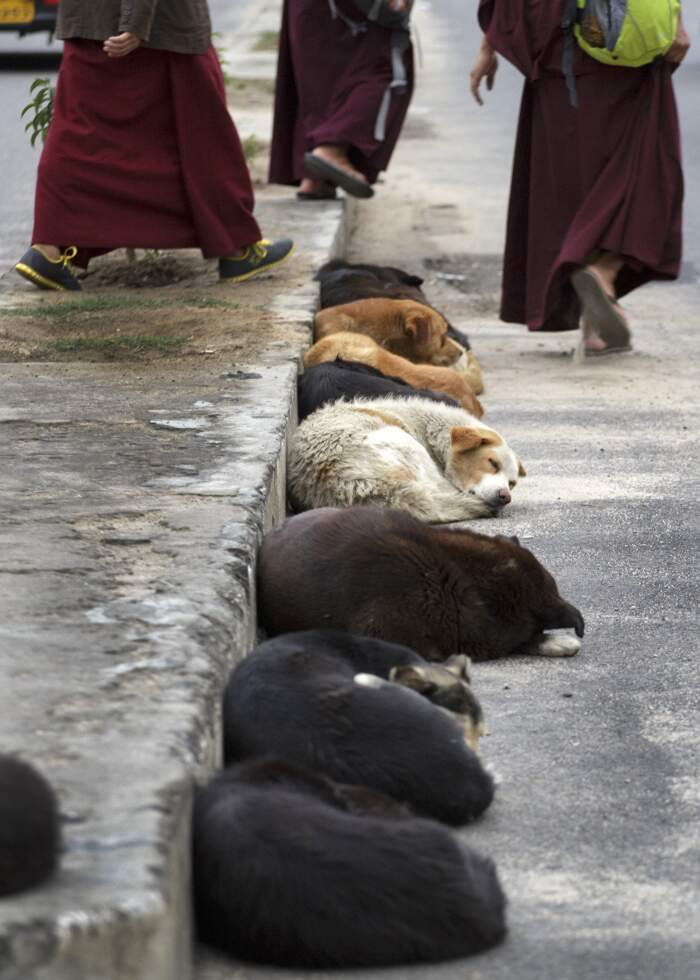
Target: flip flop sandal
x: 327, y: 194
x: 587, y: 352
x: 601, y: 310
x: 335, y: 175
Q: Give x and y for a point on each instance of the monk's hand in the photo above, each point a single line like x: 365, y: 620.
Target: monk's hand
x: 485, y: 66
x: 681, y: 44
x: 121, y: 45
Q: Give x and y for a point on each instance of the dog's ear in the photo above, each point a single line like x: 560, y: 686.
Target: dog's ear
x: 417, y: 325
x: 459, y: 664
x: 465, y: 438
x: 408, y: 675
x: 521, y: 469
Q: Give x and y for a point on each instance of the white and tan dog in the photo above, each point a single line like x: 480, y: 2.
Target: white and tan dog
x: 437, y: 462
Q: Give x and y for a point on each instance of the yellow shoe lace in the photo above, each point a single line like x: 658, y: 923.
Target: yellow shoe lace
x: 70, y: 253
x: 260, y: 248
x: 63, y: 259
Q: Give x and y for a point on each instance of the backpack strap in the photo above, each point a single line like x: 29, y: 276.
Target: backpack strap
x: 400, y: 41
x: 356, y: 27
x: 570, y: 16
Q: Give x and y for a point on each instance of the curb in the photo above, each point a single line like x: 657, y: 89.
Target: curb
x: 123, y: 743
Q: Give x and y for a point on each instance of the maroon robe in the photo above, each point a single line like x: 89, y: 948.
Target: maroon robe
x: 142, y: 153
x: 330, y: 85
x: 604, y: 176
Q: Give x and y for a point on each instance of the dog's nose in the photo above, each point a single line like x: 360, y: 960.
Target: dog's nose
x: 503, y: 497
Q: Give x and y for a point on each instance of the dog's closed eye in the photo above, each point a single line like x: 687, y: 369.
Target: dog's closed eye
x: 496, y: 466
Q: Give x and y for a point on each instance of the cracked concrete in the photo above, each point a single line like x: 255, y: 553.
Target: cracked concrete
x: 134, y: 496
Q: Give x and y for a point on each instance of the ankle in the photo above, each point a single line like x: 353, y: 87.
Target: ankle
x: 50, y: 251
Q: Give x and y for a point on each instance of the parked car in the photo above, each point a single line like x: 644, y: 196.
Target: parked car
x: 27, y: 16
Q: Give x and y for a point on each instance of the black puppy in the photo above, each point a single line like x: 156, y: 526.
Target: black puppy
x: 29, y: 827
x: 292, y: 870
x: 324, y: 383
x: 439, y: 590
x: 344, y: 282
x: 322, y: 699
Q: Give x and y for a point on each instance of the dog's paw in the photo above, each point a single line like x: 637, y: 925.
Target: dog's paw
x: 561, y: 645
x: 493, y: 773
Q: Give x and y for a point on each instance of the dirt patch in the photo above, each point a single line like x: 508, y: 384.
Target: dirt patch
x: 167, y: 307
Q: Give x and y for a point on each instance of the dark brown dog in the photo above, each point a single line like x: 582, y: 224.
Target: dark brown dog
x: 439, y: 591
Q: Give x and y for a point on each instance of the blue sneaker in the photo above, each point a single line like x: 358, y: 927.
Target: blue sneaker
x: 256, y: 258
x: 49, y: 273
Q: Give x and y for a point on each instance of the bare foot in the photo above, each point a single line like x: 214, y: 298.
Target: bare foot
x: 337, y: 157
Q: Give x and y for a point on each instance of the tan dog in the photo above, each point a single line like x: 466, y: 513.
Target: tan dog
x: 401, y: 326
x: 355, y: 347
x: 435, y: 461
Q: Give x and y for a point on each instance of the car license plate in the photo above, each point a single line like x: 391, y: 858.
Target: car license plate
x: 16, y: 11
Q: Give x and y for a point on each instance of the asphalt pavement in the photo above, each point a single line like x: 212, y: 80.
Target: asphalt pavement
x: 128, y: 550
x: 595, y: 827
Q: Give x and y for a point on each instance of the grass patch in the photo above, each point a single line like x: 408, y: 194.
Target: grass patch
x: 267, y: 41
x: 114, y: 346
x: 110, y: 303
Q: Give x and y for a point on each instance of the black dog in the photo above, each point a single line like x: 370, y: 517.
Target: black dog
x: 439, y: 590
x: 345, y: 282
x: 316, y: 699
x: 29, y: 827
x: 293, y: 870
x: 324, y: 383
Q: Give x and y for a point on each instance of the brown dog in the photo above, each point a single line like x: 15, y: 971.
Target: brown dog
x: 401, y: 326
x: 355, y: 347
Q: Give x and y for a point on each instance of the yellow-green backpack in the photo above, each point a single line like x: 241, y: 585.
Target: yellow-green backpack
x: 628, y: 33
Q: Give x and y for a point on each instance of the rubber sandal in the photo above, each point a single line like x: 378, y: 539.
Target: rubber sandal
x: 601, y: 310
x: 329, y: 194
x: 335, y: 175
x: 604, y: 351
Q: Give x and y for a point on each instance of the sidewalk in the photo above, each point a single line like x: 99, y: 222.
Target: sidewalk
x: 143, y: 440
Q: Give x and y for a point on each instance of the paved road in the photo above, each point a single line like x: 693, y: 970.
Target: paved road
x: 595, y: 825
x: 21, y: 61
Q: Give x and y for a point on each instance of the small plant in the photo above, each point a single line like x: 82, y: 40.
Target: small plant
x: 223, y: 60
x: 267, y: 41
x: 41, y: 105
x: 251, y: 147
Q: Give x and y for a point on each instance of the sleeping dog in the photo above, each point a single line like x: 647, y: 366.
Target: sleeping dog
x: 440, y: 591
x: 360, y: 349
x: 434, y: 461
x: 30, y: 832
x: 403, y: 327
x: 344, y: 282
x: 325, y: 383
x: 327, y: 701
x: 295, y: 870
